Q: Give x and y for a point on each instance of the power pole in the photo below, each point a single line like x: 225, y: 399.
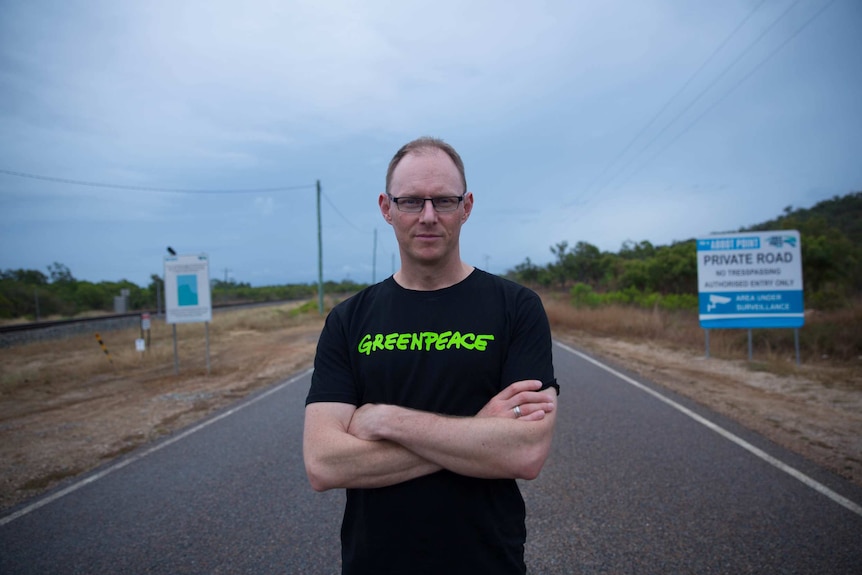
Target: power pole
x: 319, y: 255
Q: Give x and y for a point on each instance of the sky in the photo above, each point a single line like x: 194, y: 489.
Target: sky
x: 206, y: 125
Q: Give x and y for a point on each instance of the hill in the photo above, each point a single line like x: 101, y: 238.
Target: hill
x: 842, y: 213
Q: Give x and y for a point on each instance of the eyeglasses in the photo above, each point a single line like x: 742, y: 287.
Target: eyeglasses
x: 416, y: 205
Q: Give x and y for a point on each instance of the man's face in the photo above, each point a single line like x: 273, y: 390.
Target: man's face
x: 426, y: 237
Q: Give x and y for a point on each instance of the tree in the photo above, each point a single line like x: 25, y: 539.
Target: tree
x: 585, y: 264
x: 526, y: 272
x: 673, y: 269
x: 28, y: 277
x: 558, y: 270
x: 60, y: 273
x: 634, y: 275
x: 637, y: 251
x: 89, y: 296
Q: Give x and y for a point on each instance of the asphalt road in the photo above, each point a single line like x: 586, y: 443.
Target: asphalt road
x: 636, y: 483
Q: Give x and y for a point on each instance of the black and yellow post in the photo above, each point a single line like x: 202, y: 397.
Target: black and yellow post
x: 104, y: 348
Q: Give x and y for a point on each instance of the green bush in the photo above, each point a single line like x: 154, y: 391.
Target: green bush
x: 583, y: 296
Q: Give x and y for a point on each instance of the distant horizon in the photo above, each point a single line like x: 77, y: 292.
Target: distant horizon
x: 314, y: 282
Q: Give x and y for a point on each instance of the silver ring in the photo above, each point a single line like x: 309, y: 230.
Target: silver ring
x: 517, y: 410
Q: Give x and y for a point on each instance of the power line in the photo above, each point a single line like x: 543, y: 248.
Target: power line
x: 708, y: 87
x: 671, y: 100
x: 150, y: 188
x: 732, y: 88
x: 727, y: 68
x: 351, y: 224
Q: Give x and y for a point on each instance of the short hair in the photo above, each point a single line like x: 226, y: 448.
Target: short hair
x: 420, y: 145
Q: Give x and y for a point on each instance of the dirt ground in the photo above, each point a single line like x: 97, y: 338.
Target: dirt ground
x: 54, y: 426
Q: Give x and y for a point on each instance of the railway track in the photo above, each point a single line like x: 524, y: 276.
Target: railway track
x: 48, y: 324
x: 22, y: 333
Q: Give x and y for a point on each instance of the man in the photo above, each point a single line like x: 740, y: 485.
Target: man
x: 430, y: 393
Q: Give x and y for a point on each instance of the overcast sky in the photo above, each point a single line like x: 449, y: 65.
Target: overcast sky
x: 658, y: 120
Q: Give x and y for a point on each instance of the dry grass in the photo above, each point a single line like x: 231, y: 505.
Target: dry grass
x: 84, y: 361
x: 829, y: 339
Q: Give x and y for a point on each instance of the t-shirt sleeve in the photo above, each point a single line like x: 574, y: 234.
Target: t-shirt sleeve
x: 530, y: 354
x: 332, y: 379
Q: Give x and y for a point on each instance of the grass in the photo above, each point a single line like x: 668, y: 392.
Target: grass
x: 828, y: 338
x: 833, y: 337
x: 39, y: 364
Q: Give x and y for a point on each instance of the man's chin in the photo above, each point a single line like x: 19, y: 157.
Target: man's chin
x: 427, y: 256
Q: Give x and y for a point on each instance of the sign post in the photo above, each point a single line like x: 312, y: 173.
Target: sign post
x: 145, y: 329
x: 750, y: 280
x: 187, y: 295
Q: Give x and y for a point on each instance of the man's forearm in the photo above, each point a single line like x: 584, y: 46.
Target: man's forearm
x: 488, y: 447
x: 336, y: 459
x: 375, y: 464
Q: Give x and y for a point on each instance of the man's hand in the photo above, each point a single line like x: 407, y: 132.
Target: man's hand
x: 367, y: 421
x: 532, y: 403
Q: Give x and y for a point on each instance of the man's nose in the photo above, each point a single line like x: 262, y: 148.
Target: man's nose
x: 428, y: 214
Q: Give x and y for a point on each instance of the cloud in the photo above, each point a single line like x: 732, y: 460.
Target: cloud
x: 539, y: 98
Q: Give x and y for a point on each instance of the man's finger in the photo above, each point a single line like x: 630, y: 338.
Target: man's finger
x: 519, y: 387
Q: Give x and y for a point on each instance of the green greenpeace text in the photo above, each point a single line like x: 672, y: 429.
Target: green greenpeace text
x: 423, y: 341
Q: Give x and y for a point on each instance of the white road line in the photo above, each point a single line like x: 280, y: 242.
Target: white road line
x: 96, y: 476
x: 792, y: 471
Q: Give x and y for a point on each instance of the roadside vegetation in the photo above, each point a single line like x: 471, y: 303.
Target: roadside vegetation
x: 31, y: 295
x: 646, y: 292
x: 832, y: 336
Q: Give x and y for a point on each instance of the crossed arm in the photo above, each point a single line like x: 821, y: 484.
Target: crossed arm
x: 378, y: 445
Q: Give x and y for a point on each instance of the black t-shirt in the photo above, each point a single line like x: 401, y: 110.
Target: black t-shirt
x: 446, y: 351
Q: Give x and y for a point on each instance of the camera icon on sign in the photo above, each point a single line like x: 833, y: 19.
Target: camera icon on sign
x: 715, y: 300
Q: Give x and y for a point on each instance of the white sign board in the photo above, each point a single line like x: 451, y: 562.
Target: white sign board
x: 187, y: 289
x: 751, y: 279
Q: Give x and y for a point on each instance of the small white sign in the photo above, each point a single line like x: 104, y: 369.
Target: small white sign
x: 140, y: 344
x: 187, y: 289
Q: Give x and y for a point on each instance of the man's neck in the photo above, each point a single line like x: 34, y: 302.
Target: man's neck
x: 432, y: 278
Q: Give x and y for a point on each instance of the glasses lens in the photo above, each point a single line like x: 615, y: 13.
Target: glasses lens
x: 410, y: 204
x: 449, y: 204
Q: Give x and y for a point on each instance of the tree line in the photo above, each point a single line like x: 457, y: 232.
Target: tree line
x: 34, y: 294
x: 644, y: 274
x: 640, y: 273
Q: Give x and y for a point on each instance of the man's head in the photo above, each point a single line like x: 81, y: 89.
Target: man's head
x: 428, y: 236
x: 425, y: 145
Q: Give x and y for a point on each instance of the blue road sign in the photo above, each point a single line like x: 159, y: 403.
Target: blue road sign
x: 751, y: 279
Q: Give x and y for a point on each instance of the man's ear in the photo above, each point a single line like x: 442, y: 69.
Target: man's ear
x: 385, y: 207
x: 468, y: 206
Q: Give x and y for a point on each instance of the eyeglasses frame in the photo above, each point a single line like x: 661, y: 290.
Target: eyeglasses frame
x: 420, y: 210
